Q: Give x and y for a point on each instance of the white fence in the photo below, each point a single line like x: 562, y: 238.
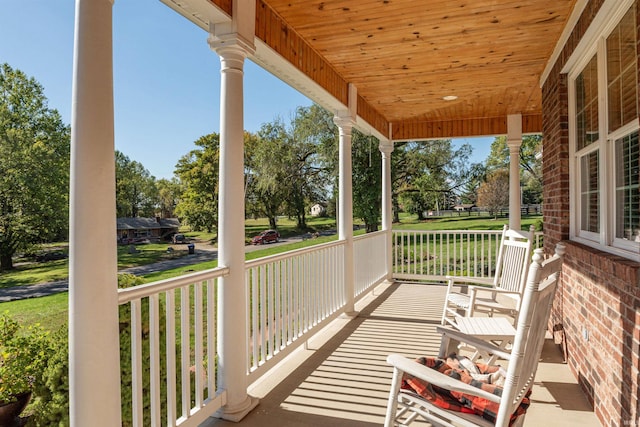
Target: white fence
x: 291, y: 296
x: 431, y: 255
x: 171, y: 327
x: 370, y: 260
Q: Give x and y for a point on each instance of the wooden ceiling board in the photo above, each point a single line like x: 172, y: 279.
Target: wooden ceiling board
x: 405, y: 55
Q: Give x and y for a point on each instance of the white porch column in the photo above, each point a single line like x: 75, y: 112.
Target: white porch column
x: 514, y: 140
x: 94, y: 368
x: 345, y: 208
x: 232, y: 293
x: 386, y: 148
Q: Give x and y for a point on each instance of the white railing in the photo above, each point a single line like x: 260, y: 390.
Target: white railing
x: 369, y: 253
x: 431, y: 255
x: 171, y: 325
x: 291, y: 296
x: 538, y: 239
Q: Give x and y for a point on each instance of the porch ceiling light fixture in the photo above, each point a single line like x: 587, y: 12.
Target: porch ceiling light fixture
x: 450, y: 97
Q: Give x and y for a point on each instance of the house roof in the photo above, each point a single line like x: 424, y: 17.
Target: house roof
x: 405, y: 56
x: 146, y: 223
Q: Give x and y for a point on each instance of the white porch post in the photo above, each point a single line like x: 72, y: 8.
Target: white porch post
x: 232, y: 295
x: 514, y: 140
x: 386, y: 148
x: 345, y: 209
x: 94, y: 368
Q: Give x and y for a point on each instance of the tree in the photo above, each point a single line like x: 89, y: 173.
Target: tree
x: 169, y: 192
x: 267, y: 166
x: 314, y: 137
x: 315, y: 124
x: 136, y: 191
x: 431, y: 174
x: 198, y: 172
x: 367, y: 180
x: 285, y: 171
x: 34, y: 165
x: 493, y: 194
x: 530, y: 161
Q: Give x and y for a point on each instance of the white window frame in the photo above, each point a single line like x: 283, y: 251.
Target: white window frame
x: 594, y: 43
x: 621, y: 132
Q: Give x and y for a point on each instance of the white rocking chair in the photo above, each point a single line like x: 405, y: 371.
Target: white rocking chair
x: 513, y: 261
x: 523, y: 360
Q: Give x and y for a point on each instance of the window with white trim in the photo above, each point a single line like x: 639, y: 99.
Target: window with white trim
x: 605, y: 148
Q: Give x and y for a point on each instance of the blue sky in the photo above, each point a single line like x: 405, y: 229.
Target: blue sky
x: 166, y: 79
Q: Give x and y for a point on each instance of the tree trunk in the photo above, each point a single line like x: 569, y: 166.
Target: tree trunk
x: 6, y: 262
x: 302, y: 221
x: 396, y: 212
x: 272, y: 222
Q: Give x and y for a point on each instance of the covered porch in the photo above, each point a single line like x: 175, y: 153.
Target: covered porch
x: 396, y: 70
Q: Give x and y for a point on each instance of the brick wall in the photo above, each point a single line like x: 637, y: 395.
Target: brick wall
x: 598, y: 302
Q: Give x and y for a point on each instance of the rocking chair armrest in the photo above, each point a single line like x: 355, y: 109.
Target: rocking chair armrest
x: 434, y: 377
x: 478, y: 289
x: 484, y: 281
x: 450, y: 333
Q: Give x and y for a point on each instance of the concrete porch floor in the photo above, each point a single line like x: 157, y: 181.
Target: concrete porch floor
x: 342, y: 378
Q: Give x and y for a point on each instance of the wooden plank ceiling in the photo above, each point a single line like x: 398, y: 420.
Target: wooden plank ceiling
x: 404, y: 56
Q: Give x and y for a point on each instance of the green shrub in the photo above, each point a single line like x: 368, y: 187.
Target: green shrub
x: 48, y: 373
x: 33, y: 359
x: 51, y: 404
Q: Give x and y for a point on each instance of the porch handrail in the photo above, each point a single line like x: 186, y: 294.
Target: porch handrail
x: 370, y: 252
x: 295, y: 252
x: 192, y: 338
x: 141, y: 291
x: 434, y: 254
x: 291, y: 296
x: 296, y: 293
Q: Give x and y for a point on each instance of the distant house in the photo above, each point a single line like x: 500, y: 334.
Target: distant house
x: 465, y: 207
x: 318, y: 210
x: 132, y: 230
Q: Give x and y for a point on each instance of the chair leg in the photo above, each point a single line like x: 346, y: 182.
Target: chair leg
x: 392, y: 404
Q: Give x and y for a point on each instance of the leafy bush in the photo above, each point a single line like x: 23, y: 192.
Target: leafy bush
x: 46, y: 369
x: 23, y: 356
x: 33, y: 359
x: 51, y: 404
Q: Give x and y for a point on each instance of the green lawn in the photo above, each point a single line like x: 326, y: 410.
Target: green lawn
x: 52, y: 310
x: 26, y: 273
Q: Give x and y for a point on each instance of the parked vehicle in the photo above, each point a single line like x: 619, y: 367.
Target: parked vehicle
x: 179, y: 238
x: 267, y: 236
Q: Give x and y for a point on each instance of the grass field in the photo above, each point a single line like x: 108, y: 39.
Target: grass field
x: 51, y: 311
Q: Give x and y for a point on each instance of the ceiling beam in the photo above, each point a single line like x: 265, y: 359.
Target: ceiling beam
x: 487, y: 126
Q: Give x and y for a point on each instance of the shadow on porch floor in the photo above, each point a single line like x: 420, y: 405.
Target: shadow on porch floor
x: 342, y: 378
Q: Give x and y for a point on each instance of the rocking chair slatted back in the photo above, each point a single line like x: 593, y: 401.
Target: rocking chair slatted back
x: 510, y: 275
x: 512, y: 263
